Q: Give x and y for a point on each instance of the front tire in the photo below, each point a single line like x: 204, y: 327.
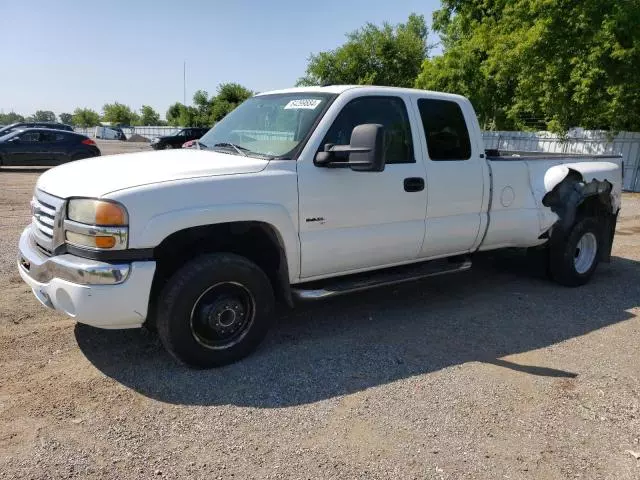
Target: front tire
x: 215, y: 310
x: 168, y: 146
x: 575, y: 257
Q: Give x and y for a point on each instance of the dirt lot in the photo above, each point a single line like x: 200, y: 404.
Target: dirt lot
x: 495, y: 373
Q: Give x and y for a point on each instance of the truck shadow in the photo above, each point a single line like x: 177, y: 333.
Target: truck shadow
x: 323, y: 350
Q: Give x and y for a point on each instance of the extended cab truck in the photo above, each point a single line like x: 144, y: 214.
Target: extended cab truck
x: 302, y: 194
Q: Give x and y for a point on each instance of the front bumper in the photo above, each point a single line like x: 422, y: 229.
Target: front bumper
x: 101, y: 294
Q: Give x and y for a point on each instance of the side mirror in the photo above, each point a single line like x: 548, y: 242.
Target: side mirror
x: 365, y: 152
x: 14, y: 140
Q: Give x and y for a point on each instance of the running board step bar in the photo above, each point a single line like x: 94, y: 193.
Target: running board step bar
x: 390, y: 276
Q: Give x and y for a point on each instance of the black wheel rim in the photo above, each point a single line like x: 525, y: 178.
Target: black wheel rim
x: 222, y: 315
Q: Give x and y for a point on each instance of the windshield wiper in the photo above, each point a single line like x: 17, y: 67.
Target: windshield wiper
x: 241, y: 150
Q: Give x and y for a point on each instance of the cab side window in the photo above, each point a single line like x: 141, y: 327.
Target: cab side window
x: 30, y: 137
x: 390, y: 112
x: 445, y: 130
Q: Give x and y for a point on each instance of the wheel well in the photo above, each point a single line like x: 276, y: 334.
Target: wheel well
x: 574, y: 199
x: 257, y: 241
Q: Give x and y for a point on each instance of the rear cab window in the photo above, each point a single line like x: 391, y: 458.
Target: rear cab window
x: 445, y: 130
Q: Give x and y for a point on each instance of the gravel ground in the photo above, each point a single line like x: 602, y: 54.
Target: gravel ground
x: 494, y: 373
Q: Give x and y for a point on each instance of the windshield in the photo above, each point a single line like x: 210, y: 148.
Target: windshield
x: 268, y: 125
x: 7, y: 131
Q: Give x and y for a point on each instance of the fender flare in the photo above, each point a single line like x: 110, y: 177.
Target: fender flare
x: 162, y: 226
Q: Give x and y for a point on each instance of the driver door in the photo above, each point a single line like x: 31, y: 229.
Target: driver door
x: 25, y: 150
x: 352, y: 221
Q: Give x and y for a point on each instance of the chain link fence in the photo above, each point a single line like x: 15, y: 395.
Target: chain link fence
x: 147, y: 132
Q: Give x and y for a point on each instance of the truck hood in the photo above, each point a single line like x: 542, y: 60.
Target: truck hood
x: 95, y: 177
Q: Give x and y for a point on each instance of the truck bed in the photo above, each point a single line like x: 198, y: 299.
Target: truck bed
x: 495, y: 155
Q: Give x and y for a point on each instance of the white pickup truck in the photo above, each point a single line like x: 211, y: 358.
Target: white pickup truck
x: 301, y: 194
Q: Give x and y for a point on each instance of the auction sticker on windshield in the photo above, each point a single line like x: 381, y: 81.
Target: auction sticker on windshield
x: 308, y: 103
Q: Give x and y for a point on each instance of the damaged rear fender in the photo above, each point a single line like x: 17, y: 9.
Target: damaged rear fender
x: 594, y: 187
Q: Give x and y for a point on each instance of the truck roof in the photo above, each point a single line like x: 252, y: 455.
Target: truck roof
x: 337, y: 89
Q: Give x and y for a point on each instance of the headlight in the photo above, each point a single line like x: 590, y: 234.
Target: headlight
x: 96, y: 224
x: 97, y: 212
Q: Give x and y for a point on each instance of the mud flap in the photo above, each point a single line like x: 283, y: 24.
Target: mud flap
x: 608, y: 232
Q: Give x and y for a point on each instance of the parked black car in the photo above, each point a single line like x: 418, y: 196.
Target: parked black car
x: 176, y: 141
x: 44, y: 147
x: 22, y: 125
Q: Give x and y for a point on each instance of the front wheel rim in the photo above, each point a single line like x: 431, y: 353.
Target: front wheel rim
x: 222, y: 315
x: 585, y: 253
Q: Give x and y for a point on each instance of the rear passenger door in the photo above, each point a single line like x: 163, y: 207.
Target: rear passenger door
x: 51, y: 151
x: 455, y: 178
x: 63, y: 147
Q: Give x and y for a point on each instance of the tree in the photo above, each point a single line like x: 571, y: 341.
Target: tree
x: 44, y: 116
x: 119, y: 114
x: 208, y: 110
x: 85, y: 117
x: 9, y: 118
x: 148, y: 116
x: 387, y: 55
x: 173, y: 114
x: 552, y: 64
x: 202, y: 105
x: 66, y: 118
x: 179, y: 115
x: 229, y: 96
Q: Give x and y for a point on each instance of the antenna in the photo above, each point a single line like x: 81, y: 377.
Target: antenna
x: 184, y: 82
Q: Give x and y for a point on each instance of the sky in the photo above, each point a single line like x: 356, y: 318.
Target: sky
x: 59, y: 55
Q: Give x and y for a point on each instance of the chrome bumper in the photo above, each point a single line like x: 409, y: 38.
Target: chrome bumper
x: 95, y: 293
x: 42, y: 268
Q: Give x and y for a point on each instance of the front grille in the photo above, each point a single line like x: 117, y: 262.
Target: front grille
x: 47, y: 213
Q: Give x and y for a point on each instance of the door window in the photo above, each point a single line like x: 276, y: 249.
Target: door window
x: 390, y: 112
x: 445, y: 130
x: 47, y: 137
x: 30, y: 137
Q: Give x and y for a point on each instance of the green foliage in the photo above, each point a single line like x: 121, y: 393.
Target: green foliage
x: 85, y: 117
x: 387, y: 55
x: 173, y: 114
x: 118, y: 114
x: 206, y: 111
x: 9, y: 118
x: 66, y: 118
x: 179, y: 115
x: 44, y: 116
x: 552, y: 64
x: 228, y: 97
x: 202, y: 109
x: 148, y: 116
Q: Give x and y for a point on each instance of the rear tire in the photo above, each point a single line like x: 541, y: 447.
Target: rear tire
x: 574, y: 258
x: 215, y: 310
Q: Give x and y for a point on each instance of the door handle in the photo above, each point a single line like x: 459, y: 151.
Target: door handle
x: 413, y: 184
